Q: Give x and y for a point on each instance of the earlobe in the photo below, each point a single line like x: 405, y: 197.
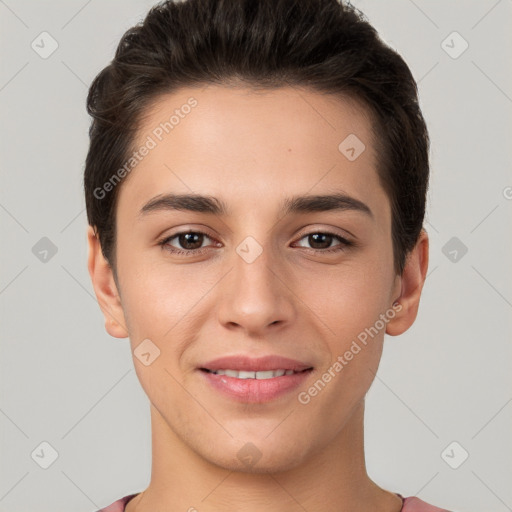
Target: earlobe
x: 412, y: 281
x: 105, y: 287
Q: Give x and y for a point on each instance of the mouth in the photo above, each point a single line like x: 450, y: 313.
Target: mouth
x: 258, y: 375
x: 245, y: 379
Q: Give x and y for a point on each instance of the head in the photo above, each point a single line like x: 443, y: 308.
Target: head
x: 251, y: 105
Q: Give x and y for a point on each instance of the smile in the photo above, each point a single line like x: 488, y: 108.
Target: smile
x: 261, y: 375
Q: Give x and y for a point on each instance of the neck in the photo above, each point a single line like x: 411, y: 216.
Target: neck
x: 335, y: 479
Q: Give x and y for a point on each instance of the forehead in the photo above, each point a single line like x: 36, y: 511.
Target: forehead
x: 246, y: 146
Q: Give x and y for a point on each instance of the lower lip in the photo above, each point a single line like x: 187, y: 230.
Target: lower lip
x: 255, y: 390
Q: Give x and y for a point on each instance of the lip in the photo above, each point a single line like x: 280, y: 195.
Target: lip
x: 255, y: 390
x: 252, y: 364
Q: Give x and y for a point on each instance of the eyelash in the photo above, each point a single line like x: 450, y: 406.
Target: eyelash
x: 344, y: 245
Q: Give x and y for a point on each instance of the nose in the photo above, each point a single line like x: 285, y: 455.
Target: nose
x: 256, y: 295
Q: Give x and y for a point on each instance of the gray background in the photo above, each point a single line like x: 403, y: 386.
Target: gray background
x: 66, y: 382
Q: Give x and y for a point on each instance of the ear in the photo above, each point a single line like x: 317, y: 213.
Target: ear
x: 411, y: 283
x: 105, y: 288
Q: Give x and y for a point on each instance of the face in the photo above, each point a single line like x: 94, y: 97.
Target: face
x: 263, y: 277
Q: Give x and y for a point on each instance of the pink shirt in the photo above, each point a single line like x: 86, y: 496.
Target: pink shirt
x: 410, y: 504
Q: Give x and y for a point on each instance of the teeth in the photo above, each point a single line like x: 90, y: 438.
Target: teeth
x: 242, y: 374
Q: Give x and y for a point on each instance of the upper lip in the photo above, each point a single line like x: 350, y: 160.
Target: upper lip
x: 255, y: 364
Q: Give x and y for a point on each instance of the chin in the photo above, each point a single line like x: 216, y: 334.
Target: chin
x: 258, y: 457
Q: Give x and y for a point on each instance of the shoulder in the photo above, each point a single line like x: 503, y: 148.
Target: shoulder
x: 119, y: 505
x: 413, y: 504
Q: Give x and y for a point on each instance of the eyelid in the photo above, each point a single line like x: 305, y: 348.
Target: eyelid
x: 327, y: 231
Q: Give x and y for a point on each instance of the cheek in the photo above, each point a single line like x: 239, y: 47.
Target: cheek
x: 154, y: 297
x: 350, y: 303
x: 347, y: 298
x: 166, y: 305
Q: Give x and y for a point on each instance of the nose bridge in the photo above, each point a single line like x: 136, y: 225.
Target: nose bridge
x: 254, y: 295
x: 252, y: 263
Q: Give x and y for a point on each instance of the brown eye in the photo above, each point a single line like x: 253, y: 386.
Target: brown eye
x: 321, y: 241
x: 188, y: 242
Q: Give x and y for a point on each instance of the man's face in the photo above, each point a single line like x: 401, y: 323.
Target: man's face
x: 259, y: 281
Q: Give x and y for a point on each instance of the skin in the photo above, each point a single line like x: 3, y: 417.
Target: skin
x: 252, y: 150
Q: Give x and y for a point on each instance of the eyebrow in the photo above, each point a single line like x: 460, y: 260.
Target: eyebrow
x: 296, y: 204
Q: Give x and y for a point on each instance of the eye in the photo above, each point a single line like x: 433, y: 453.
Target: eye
x: 324, y: 240
x: 190, y: 242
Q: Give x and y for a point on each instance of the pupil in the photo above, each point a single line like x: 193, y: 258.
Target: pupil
x: 315, y: 238
x: 188, y: 238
